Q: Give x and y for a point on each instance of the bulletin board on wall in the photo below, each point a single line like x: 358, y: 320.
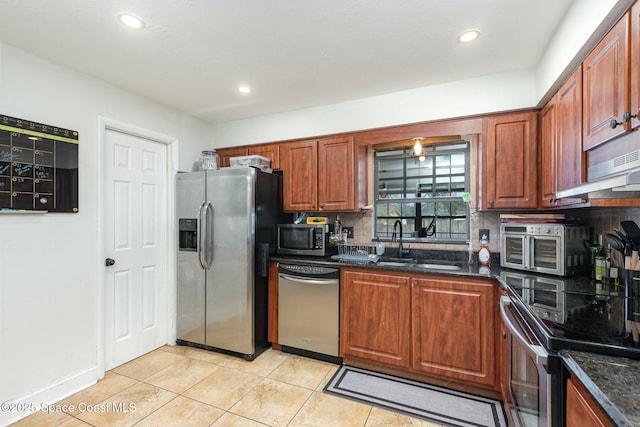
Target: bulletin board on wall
x: 38, y: 167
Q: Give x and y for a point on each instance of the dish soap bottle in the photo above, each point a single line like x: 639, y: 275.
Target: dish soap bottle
x: 470, y: 250
x: 484, y: 253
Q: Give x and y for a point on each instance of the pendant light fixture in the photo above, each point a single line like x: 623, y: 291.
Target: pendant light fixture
x: 417, y: 147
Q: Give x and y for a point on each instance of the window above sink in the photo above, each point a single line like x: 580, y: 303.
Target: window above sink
x: 424, y: 189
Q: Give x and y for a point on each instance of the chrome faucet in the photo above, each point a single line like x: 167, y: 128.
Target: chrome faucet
x: 401, y: 251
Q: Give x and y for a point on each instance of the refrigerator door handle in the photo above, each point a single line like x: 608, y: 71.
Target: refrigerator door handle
x: 208, y: 214
x: 202, y: 231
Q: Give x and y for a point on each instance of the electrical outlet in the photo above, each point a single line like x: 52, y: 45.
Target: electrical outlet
x: 349, y: 231
x: 484, y: 232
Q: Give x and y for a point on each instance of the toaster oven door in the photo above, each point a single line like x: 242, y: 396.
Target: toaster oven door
x: 541, y: 254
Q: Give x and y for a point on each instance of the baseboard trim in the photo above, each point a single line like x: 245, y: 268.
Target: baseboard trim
x: 51, y: 394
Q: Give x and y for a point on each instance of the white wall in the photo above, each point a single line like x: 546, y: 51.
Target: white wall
x: 49, y: 266
x: 497, y: 92
x: 494, y: 93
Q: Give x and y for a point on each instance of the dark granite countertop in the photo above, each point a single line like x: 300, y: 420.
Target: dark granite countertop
x: 612, y: 381
x: 415, y: 264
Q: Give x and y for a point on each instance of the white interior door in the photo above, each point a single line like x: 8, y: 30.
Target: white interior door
x: 135, y: 227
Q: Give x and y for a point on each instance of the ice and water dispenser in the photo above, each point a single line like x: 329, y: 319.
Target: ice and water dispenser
x: 188, y: 234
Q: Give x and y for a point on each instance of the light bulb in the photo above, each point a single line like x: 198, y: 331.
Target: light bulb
x: 417, y: 147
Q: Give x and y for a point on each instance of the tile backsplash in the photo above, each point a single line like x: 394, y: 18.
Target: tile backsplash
x: 601, y: 221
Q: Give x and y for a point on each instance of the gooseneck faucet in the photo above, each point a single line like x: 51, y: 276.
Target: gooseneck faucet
x: 396, y: 224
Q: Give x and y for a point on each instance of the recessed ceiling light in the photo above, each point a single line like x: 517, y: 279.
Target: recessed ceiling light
x: 468, y: 36
x: 131, y: 21
x: 244, y: 89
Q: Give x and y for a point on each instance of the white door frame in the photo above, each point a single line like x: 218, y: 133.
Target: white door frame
x: 105, y: 124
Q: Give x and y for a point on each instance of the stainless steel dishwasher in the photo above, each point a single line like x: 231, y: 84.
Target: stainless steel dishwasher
x: 308, y: 310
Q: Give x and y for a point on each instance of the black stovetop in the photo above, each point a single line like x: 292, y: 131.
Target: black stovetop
x: 578, y: 312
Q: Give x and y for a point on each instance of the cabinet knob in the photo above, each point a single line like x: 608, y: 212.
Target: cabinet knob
x: 415, y: 283
x: 492, y: 202
x: 614, y: 123
x: 626, y: 117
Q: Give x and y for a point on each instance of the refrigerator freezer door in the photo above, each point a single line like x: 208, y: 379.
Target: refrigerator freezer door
x: 190, y: 321
x: 230, y: 280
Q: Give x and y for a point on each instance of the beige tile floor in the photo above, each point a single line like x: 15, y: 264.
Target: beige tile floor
x: 183, y: 386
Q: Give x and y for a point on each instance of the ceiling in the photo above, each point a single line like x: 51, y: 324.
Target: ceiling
x: 193, y: 54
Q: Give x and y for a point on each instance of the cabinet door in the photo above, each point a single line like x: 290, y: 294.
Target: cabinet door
x: 270, y: 151
x: 299, y: 164
x: 227, y: 153
x: 581, y: 410
x: 453, y: 329
x: 606, y: 86
x: 635, y: 64
x: 510, y: 175
x: 375, y: 317
x: 336, y: 174
x: 570, y: 158
x: 547, y: 169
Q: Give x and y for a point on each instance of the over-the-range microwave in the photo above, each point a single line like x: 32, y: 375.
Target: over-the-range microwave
x: 559, y: 249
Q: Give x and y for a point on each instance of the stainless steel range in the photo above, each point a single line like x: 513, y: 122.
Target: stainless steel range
x: 544, y: 314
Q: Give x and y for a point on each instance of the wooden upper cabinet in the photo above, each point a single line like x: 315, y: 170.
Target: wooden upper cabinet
x: 270, y: 151
x: 336, y: 174
x: 606, y: 86
x: 570, y: 164
x: 227, y: 153
x: 635, y: 64
x: 511, y: 161
x: 453, y: 329
x: 375, y: 317
x: 319, y: 175
x: 561, y: 163
x: 299, y: 164
x: 581, y: 409
x: 548, y: 141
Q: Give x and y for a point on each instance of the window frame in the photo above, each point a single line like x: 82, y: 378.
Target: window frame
x: 406, y: 154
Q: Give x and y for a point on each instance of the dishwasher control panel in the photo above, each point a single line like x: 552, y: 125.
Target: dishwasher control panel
x: 311, y: 271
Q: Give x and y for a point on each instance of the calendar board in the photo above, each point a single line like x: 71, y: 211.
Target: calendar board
x: 38, y: 167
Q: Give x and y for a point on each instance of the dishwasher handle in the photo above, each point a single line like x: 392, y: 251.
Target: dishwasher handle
x: 307, y: 281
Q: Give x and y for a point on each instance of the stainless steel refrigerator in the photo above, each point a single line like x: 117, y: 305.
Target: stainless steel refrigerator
x: 227, y: 230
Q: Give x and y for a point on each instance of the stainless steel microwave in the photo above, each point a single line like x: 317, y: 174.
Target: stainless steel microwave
x: 304, y: 239
x: 559, y: 249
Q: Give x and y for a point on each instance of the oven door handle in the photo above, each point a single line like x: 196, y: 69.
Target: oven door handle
x: 526, y: 252
x: 541, y: 355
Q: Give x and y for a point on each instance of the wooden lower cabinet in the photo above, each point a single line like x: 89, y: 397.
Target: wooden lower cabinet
x: 375, y: 317
x: 435, y: 325
x: 453, y: 329
x: 581, y: 409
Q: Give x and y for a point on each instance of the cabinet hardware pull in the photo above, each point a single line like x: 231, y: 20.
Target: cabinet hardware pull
x: 626, y: 117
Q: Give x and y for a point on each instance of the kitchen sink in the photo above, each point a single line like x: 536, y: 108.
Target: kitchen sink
x: 438, y: 267
x: 393, y: 263
x: 413, y: 264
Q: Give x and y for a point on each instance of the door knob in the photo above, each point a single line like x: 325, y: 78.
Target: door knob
x: 109, y: 262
